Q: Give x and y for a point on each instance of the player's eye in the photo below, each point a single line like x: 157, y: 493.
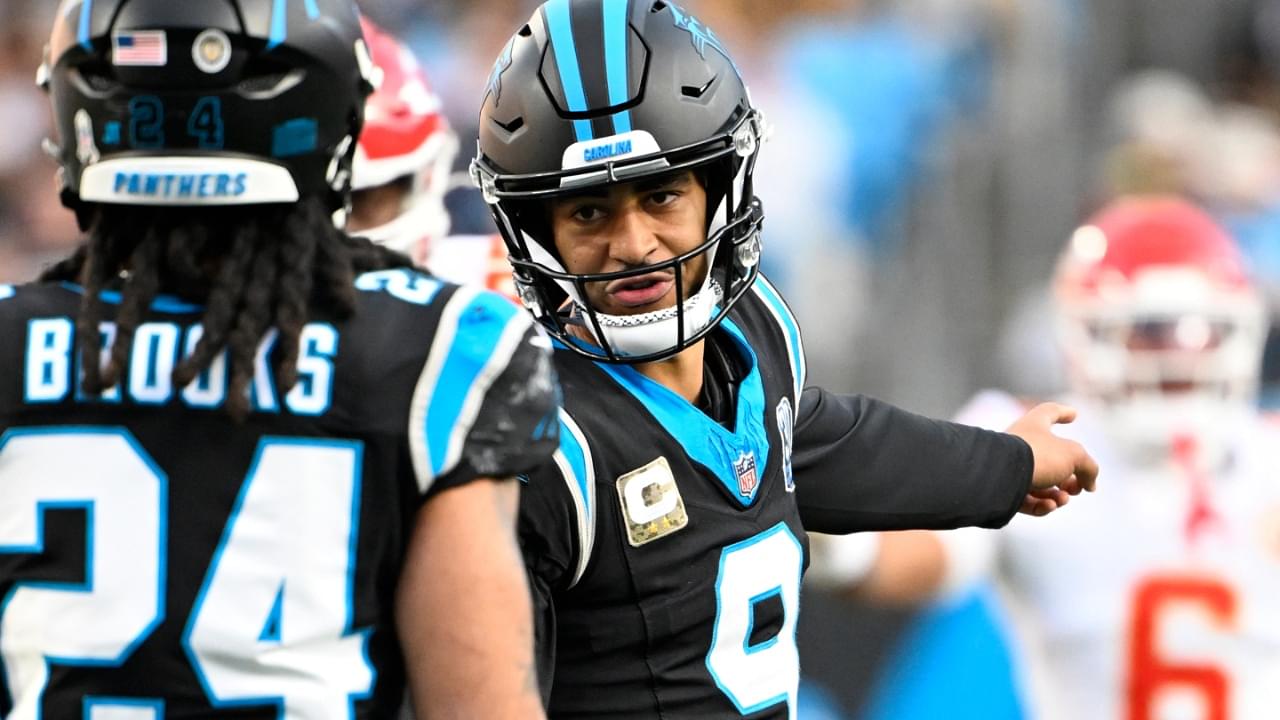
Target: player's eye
x: 587, y: 213
x: 663, y: 197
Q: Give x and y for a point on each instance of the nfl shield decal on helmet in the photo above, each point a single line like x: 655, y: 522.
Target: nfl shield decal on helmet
x: 745, y: 468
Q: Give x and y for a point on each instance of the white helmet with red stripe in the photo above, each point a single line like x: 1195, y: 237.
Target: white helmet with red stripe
x: 1161, y: 324
x: 404, y: 155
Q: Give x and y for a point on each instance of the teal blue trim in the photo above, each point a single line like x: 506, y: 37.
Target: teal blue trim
x: 161, y: 303
x: 790, y: 327
x: 279, y: 23
x: 481, y: 326
x: 560, y: 27
x: 615, y: 60
x: 577, y: 458
x: 83, y: 30
x: 706, y: 441
x: 271, y: 628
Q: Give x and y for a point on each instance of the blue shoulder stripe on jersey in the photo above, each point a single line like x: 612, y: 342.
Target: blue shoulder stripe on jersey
x: 574, y: 455
x: 790, y: 329
x: 161, y: 303
x: 705, y: 440
x: 6, y: 292
x: 574, y: 458
x: 616, y: 33
x: 475, y: 344
x: 83, y: 30
x: 560, y: 27
x: 478, y: 333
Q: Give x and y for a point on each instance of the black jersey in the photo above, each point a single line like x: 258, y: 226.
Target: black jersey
x: 159, y: 560
x: 666, y: 551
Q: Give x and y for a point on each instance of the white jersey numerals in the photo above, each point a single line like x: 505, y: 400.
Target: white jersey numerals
x: 272, y: 622
x: 101, y: 620
x: 757, y: 676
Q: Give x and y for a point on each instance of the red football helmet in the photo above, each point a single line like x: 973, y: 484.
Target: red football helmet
x: 404, y: 155
x: 1160, y: 322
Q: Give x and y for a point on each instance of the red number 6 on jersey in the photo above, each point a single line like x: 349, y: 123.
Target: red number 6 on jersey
x: 1149, y: 674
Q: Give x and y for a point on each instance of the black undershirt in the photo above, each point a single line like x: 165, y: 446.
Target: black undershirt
x: 722, y: 370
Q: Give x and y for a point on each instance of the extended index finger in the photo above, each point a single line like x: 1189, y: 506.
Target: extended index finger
x: 1086, y: 472
x: 1056, y: 413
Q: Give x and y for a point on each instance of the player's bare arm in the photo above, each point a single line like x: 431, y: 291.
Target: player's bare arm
x: 471, y: 655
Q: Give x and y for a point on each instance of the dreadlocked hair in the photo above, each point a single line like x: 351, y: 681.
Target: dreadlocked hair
x: 255, y: 271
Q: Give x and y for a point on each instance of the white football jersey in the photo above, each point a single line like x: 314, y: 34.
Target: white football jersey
x: 1158, y: 596
x: 472, y: 260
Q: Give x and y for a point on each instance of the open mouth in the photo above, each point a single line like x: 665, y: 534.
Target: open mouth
x: 641, y: 290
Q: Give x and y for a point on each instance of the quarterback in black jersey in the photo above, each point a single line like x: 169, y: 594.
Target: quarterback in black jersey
x: 250, y: 466
x: 666, y: 542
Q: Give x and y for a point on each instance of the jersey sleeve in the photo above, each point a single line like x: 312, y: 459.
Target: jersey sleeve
x: 558, y: 509
x: 485, y: 403
x: 557, y: 532
x: 862, y: 464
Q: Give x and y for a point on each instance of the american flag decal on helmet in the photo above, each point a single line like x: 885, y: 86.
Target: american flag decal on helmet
x: 745, y: 468
x: 140, y: 48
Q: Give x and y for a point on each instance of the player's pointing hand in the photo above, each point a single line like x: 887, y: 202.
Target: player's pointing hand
x: 1062, y: 467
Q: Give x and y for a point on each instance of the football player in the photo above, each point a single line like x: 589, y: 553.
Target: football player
x: 1157, y: 601
x: 402, y: 170
x: 249, y: 465
x: 666, y: 543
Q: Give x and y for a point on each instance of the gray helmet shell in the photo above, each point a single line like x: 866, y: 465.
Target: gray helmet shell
x: 594, y: 92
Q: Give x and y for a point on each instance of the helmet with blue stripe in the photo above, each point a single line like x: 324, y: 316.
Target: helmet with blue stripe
x: 226, y: 102
x: 591, y: 93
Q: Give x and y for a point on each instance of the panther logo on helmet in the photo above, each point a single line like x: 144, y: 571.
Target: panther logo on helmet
x: 701, y: 34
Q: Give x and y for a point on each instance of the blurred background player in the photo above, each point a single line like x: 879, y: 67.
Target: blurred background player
x: 250, y: 464
x: 1167, y: 611
x: 403, y: 171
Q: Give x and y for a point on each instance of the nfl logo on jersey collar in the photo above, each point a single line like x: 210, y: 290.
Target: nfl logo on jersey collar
x: 651, y: 503
x: 745, y: 469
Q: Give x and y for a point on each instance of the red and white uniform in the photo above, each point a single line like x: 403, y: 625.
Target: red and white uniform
x: 405, y: 136
x: 473, y: 259
x: 1158, y: 597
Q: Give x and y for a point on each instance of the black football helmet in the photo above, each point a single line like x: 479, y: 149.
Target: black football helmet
x: 216, y: 102
x: 595, y: 92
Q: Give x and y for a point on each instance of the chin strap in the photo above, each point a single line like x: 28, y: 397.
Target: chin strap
x: 659, y: 330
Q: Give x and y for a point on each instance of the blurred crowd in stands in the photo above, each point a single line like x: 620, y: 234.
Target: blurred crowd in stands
x: 927, y: 160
